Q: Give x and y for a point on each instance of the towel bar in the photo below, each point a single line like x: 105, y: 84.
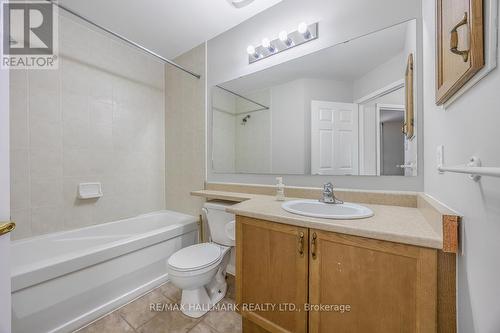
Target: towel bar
x: 473, y: 169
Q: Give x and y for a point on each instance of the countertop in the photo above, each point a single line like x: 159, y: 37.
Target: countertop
x: 405, y: 225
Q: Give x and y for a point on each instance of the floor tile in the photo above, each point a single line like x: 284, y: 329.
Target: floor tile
x: 169, y: 322
x: 112, y: 323
x: 171, y: 291
x: 203, y: 328
x: 138, y: 312
x: 224, y: 321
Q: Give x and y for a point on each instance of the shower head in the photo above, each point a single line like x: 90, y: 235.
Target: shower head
x: 245, y: 119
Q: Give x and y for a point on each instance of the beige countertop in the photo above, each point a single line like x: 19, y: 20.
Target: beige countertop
x: 390, y: 223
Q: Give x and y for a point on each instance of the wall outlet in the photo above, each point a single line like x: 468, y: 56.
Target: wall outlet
x: 440, y: 157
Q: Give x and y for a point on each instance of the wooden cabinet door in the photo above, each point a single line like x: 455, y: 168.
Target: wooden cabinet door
x: 271, y: 268
x: 460, y: 45
x: 389, y: 287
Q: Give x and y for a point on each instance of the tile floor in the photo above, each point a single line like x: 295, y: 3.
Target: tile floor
x: 136, y: 317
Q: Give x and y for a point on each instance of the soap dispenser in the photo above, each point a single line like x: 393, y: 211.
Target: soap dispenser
x: 280, y: 189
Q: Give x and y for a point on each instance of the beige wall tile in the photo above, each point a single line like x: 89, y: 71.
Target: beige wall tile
x: 99, y: 118
x: 20, y: 179
x: 185, y: 133
x: 18, y: 102
x: 46, y: 192
x: 45, y: 163
x: 101, y: 113
x: 22, y: 218
x: 46, y: 219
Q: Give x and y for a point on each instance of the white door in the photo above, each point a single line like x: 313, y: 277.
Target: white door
x: 334, y: 138
x: 5, y: 309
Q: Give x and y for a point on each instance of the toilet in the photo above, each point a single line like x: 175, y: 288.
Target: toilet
x: 200, y: 269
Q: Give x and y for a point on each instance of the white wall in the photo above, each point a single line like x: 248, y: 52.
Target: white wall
x: 340, y: 20
x: 468, y: 127
x: 288, y: 128
x: 223, y: 111
x: 98, y: 118
x: 389, y: 72
x: 224, y: 155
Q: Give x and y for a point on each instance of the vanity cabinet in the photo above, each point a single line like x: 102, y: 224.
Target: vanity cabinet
x: 389, y: 287
x: 369, y: 285
x: 271, y: 269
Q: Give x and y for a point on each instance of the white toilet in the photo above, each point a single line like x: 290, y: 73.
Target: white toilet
x: 200, y: 270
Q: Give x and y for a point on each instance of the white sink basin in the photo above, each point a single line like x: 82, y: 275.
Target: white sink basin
x: 315, y: 208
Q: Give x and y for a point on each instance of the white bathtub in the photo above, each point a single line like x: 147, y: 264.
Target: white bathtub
x: 64, y: 280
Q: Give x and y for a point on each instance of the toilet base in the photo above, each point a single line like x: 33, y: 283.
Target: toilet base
x: 196, y: 302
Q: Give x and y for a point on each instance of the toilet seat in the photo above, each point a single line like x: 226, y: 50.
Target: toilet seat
x: 195, y: 257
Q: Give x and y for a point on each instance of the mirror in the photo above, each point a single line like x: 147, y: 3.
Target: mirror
x: 339, y: 111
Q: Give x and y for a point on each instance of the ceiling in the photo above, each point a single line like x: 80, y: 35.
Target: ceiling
x: 168, y: 27
x: 343, y: 62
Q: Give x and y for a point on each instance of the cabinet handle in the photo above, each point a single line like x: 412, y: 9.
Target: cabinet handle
x: 454, y: 40
x: 301, y: 243
x: 313, y: 245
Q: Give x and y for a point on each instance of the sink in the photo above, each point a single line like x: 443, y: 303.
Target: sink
x: 315, y: 208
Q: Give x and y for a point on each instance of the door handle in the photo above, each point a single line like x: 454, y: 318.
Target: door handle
x: 6, y: 227
x: 454, y: 39
x: 313, y: 245
x: 301, y: 243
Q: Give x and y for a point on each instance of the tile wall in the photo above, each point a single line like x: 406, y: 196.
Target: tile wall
x: 98, y: 118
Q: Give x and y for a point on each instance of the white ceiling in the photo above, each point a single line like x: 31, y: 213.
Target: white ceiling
x: 343, y: 62
x: 168, y: 27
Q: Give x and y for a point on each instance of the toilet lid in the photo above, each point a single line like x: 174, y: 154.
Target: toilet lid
x: 195, y: 257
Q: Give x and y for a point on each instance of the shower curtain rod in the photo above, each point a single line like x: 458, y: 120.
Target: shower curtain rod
x: 170, y: 62
x: 243, y: 97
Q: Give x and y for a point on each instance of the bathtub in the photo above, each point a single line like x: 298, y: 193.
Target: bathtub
x: 64, y: 280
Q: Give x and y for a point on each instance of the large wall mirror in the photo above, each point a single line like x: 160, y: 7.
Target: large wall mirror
x: 338, y: 111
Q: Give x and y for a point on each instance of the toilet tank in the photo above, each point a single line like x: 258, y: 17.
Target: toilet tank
x: 220, y: 223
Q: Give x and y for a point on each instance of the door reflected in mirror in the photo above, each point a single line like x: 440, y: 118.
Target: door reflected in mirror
x: 338, y: 111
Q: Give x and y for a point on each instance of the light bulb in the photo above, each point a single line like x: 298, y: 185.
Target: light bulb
x: 251, y: 50
x: 283, y: 36
x: 304, y: 30
x: 302, y: 27
x: 266, y: 43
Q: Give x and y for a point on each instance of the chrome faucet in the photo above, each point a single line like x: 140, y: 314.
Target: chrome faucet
x: 329, y: 195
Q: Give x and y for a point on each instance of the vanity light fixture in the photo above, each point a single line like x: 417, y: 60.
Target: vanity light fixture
x: 304, y: 33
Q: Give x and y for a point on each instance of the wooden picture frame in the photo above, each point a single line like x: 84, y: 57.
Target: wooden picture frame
x: 409, y: 125
x: 459, y: 23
